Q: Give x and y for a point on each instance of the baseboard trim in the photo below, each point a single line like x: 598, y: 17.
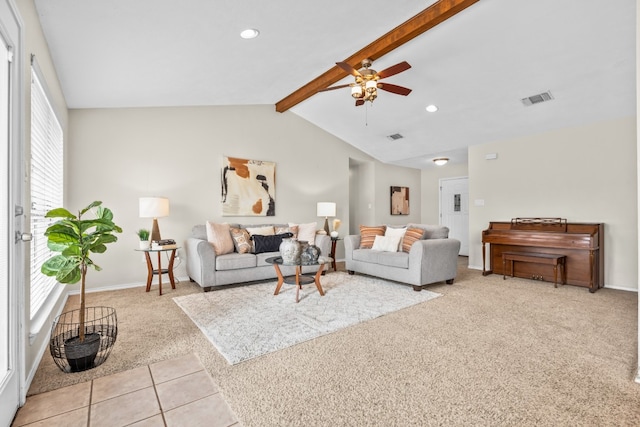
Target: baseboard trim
x: 123, y: 286
x: 619, y: 288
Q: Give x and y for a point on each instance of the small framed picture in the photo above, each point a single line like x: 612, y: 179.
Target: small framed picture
x: 399, y: 200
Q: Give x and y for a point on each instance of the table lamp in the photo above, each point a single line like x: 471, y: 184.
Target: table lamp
x: 326, y: 209
x: 154, y: 207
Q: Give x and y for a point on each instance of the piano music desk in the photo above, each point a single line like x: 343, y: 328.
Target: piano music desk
x: 538, y: 258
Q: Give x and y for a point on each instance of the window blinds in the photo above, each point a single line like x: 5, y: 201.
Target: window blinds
x: 46, y: 185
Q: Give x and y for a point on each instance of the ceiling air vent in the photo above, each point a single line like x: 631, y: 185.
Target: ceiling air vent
x: 537, y: 99
x: 394, y: 137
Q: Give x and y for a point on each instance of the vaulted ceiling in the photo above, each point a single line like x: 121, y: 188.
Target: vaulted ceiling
x: 476, y: 66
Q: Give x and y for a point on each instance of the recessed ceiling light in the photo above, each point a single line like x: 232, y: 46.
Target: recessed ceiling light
x: 432, y: 108
x: 249, y: 33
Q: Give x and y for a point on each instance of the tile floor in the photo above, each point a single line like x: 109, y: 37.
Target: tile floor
x: 175, y: 392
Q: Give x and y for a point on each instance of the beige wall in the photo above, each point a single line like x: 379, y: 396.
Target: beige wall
x: 370, y: 199
x: 583, y: 174
x: 430, y: 184
x: 119, y: 155
x: 37, y: 333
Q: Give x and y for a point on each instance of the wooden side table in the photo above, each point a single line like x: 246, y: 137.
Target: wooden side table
x: 159, y: 271
x: 332, y: 254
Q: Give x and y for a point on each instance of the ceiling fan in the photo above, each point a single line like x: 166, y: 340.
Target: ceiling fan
x: 367, y: 81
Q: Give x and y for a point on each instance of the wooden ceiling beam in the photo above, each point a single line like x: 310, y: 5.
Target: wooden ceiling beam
x: 423, y: 21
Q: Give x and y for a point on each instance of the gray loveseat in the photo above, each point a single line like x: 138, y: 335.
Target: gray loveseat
x: 433, y: 258
x: 210, y: 270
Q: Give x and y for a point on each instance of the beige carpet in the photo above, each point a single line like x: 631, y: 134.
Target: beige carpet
x: 489, y: 352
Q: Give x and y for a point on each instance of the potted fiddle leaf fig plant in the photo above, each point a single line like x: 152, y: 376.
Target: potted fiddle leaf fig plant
x: 76, y: 238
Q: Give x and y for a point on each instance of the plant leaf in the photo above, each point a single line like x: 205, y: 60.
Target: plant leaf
x: 63, y: 268
x: 69, y: 275
x: 98, y: 249
x: 91, y: 206
x: 59, y: 213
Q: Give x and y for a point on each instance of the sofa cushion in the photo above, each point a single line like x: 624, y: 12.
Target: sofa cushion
x: 432, y: 231
x: 241, y: 240
x: 396, y: 232
x: 411, y: 236
x: 267, y: 230
x: 368, y: 235
x: 199, y: 232
x: 263, y: 244
x: 386, y: 243
x: 287, y: 229
x: 306, y: 232
x: 235, y: 261
x: 219, y: 236
x: 389, y: 259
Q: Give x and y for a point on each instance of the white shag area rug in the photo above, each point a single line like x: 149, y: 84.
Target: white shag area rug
x: 249, y: 321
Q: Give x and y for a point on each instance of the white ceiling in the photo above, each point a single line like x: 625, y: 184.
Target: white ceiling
x: 475, y: 66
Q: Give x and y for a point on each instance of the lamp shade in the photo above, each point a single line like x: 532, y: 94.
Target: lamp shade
x: 326, y: 209
x: 154, y: 207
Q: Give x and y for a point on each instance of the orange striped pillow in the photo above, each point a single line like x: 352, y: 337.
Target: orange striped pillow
x: 368, y: 235
x: 411, y: 236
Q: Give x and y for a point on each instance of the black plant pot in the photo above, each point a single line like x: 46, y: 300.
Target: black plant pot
x: 82, y: 355
x: 101, y: 331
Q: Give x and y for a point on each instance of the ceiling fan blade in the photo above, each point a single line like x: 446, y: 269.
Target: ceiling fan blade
x: 334, y: 87
x: 394, y: 69
x: 349, y: 69
x: 359, y: 102
x: 394, y: 89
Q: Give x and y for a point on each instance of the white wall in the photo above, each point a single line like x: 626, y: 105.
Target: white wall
x: 119, y: 155
x: 583, y: 174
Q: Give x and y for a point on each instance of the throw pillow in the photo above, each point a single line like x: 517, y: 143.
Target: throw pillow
x: 411, y: 236
x: 293, y: 230
x: 396, y: 232
x: 241, y: 240
x: 219, y: 237
x: 263, y: 244
x: 306, y: 232
x: 266, y: 230
x: 386, y: 243
x: 368, y: 235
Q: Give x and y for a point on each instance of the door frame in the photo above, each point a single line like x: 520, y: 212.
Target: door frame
x: 12, y: 33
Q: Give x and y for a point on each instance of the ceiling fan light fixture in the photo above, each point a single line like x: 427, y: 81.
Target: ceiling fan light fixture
x: 441, y: 161
x: 371, y: 86
x: 250, y: 33
x: 356, y: 91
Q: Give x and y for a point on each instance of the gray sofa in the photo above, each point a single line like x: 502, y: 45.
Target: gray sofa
x: 210, y: 270
x: 434, y: 258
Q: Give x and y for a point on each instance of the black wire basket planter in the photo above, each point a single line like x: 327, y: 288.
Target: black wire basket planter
x: 101, y: 331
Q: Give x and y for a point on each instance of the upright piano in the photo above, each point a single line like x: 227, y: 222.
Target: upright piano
x: 581, y: 243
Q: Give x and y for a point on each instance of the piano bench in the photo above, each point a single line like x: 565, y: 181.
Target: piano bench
x: 537, y: 258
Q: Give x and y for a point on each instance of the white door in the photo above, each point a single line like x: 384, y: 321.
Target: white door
x: 454, y: 210
x: 11, y: 221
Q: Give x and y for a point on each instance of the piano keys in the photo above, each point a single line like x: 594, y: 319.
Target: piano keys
x: 581, y: 243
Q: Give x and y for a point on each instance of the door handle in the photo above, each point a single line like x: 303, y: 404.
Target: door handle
x: 23, y: 237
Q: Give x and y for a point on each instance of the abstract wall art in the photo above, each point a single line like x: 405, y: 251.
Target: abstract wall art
x: 399, y: 200
x: 248, y: 187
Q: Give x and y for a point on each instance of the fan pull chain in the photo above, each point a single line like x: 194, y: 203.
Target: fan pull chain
x: 366, y: 114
